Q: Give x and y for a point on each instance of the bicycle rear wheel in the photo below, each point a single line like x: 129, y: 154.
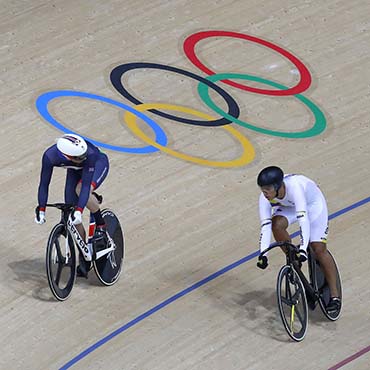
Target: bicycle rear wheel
x: 292, y: 303
x: 323, y: 288
x: 108, y: 268
x: 60, y: 263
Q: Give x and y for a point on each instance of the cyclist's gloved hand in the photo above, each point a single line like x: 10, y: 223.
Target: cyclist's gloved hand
x: 262, y: 262
x: 77, y: 217
x: 40, y: 216
x: 302, y: 255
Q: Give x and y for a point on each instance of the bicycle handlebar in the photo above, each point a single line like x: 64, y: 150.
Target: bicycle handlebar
x: 280, y: 244
x: 67, y: 207
x: 61, y: 206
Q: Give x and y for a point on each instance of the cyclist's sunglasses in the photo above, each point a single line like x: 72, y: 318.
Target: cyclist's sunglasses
x: 77, y: 158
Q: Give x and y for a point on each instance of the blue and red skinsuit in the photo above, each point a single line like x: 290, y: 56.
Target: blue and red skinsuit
x: 91, y: 172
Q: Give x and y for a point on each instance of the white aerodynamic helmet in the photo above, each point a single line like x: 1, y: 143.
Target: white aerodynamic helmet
x: 72, y: 145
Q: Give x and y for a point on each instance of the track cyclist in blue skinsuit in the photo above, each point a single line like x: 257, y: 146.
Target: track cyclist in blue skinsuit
x: 87, y: 167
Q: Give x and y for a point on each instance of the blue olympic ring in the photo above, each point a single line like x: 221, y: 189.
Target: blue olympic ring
x: 42, y: 106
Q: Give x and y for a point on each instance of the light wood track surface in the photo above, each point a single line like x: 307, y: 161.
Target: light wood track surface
x: 183, y: 221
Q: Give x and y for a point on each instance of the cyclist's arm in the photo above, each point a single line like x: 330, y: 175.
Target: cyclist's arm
x: 266, y: 223
x: 302, y: 215
x: 45, y: 178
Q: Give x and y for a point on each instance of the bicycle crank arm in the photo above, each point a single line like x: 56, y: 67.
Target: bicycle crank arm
x: 104, y: 252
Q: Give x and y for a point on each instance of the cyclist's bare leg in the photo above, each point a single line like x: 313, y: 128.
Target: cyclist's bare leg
x: 80, y: 228
x: 280, y: 230
x: 327, y: 265
x: 92, y: 203
x: 93, y: 206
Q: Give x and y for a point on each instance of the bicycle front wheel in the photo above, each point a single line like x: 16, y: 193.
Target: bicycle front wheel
x: 292, y: 303
x: 108, y: 268
x: 60, y: 263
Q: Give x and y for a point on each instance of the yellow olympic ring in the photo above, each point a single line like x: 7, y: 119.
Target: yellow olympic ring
x: 245, y: 158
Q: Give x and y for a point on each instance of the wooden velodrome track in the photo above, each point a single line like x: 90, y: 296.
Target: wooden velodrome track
x: 184, y: 220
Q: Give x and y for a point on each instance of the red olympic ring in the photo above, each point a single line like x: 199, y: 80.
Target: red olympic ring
x: 303, y: 84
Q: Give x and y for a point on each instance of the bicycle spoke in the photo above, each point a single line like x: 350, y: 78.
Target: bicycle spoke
x: 287, y: 288
x: 296, y: 295
x: 59, y: 253
x: 112, y: 259
x: 292, y: 310
x: 59, y: 274
x: 300, y: 317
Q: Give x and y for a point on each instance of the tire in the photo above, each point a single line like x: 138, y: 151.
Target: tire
x: 60, y: 263
x: 292, y: 303
x: 322, y: 286
x: 108, y: 268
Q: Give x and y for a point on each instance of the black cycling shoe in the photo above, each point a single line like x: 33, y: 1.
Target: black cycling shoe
x: 81, y: 272
x: 334, y: 305
x: 302, y: 256
x: 83, y: 268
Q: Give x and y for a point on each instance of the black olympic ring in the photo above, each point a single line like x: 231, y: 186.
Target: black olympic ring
x: 118, y: 72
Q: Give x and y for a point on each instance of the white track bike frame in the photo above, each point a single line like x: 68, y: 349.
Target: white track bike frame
x: 87, y: 248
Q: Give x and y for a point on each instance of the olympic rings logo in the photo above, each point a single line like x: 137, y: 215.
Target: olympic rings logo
x: 202, y: 119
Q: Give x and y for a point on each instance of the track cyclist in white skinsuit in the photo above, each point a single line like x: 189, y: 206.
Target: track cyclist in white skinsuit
x: 288, y: 199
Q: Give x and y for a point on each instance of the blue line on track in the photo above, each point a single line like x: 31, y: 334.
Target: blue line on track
x: 186, y: 291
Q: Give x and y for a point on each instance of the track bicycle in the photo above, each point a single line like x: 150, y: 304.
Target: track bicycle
x: 61, y: 251
x: 296, y: 292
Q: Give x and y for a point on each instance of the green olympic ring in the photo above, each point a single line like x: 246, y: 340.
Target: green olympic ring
x: 320, y: 120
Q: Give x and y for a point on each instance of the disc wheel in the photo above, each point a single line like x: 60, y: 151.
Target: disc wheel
x: 108, y: 268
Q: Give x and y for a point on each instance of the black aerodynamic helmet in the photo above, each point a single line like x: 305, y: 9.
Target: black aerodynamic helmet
x: 271, y: 176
